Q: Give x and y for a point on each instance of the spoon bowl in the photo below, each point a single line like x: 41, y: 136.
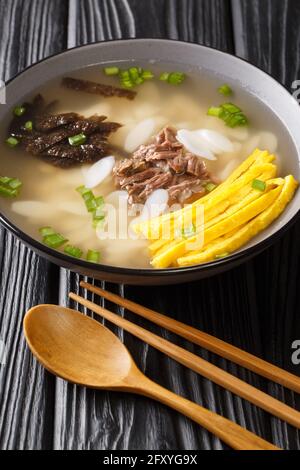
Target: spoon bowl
x: 76, y: 348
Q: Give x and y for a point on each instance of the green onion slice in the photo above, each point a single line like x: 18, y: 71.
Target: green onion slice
x: 93, y: 204
x: 134, y: 73
x: 19, y: 111
x: 5, y: 191
x: 188, y: 232
x: 147, y: 75
x: 55, y: 240
x: 225, y: 90
x: 164, y: 76
x: 214, y: 111
x: 45, y: 231
x: 12, y: 141
x: 127, y: 84
x: 111, y: 71
x: 76, y: 140
x: 28, y: 125
x: 231, y: 114
x: 93, y: 256
x: 210, y: 187
x: 73, y: 251
x: 9, y: 187
x: 176, y: 78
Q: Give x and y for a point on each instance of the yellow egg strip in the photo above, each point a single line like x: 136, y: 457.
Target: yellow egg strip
x: 224, y: 209
x: 167, y: 257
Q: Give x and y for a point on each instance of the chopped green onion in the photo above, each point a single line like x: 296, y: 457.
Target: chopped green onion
x: 93, y: 256
x: 54, y: 240
x: 12, y: 141
x: 259, y: 185
x: 5, y: 179
x: 111, y: 70
x: 222, y: 255
x: 46, y: 231
x: 83, y: 190
x: 164, y: 76
x: 73, y: 251
x: 100, y: 201
x: 134, y: 73
x: 231, y: 114
x: 214, y: 111
x: 139, y: 81
x: 96, y: 222
x: 176, y: 78
x: 231, y: 108
x: 98, y: 213
x: 5, y: 191
x: 9, y: 187
x: 189, y: 231
x: 127, y: 84
x: 15, y: 183
x: 28, y: 125
x: 51, y: 238
x: 210, y: 187
x: 19, y: 111
x: 124, y: 75
x: 93, y: 204
x: 225, y: 90
x: 76, y: 140
x: 147, y: 74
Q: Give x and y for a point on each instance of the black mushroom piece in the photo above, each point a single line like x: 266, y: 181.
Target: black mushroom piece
x: 163, y: 163
x: 97, y: 88
x: 49, y: 136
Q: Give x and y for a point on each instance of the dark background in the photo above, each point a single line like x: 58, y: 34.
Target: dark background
x: 255, y: 306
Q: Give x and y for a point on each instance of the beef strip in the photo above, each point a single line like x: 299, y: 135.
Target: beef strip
x: 49, y: 136
x: 97, y: 88
x: 85, y: 126
x: 17, y: 125
x: 163, y: 163
x: 46, y: 123
x: 83, y: 154
x: 142, y: 176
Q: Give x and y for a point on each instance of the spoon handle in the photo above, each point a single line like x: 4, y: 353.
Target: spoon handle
x: 229, y: 432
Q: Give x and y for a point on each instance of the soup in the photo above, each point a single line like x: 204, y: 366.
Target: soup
x: 181, y: 153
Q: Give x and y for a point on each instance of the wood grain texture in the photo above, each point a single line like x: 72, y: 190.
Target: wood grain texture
x: 254, y: 306
x: 273, y: 46
x: 26, y: 391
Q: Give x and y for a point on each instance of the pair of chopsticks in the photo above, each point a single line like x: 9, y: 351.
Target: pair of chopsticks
x: 196, y: 363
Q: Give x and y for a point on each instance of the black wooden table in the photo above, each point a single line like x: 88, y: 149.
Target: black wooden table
x: 255, y: 306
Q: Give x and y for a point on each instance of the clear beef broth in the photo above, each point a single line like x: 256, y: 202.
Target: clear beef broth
x: 183, y: 107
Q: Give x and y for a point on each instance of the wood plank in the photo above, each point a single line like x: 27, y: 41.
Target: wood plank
x: 223, y: 306
x: 29, y: 31
x: 267, y: 34
x: 202, y: 21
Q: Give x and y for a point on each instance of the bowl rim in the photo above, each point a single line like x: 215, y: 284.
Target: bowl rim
x: 66, y: 260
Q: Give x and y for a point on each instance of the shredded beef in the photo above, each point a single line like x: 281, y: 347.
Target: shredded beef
x: 164, y: 163
x: 97, y: 88
x: 49, y: 136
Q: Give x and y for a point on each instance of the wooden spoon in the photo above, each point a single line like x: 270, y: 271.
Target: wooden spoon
x: 82, y: 351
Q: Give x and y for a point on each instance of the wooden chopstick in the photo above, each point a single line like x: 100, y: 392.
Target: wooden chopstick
x: 199, y: 365
x: 215, y: 345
